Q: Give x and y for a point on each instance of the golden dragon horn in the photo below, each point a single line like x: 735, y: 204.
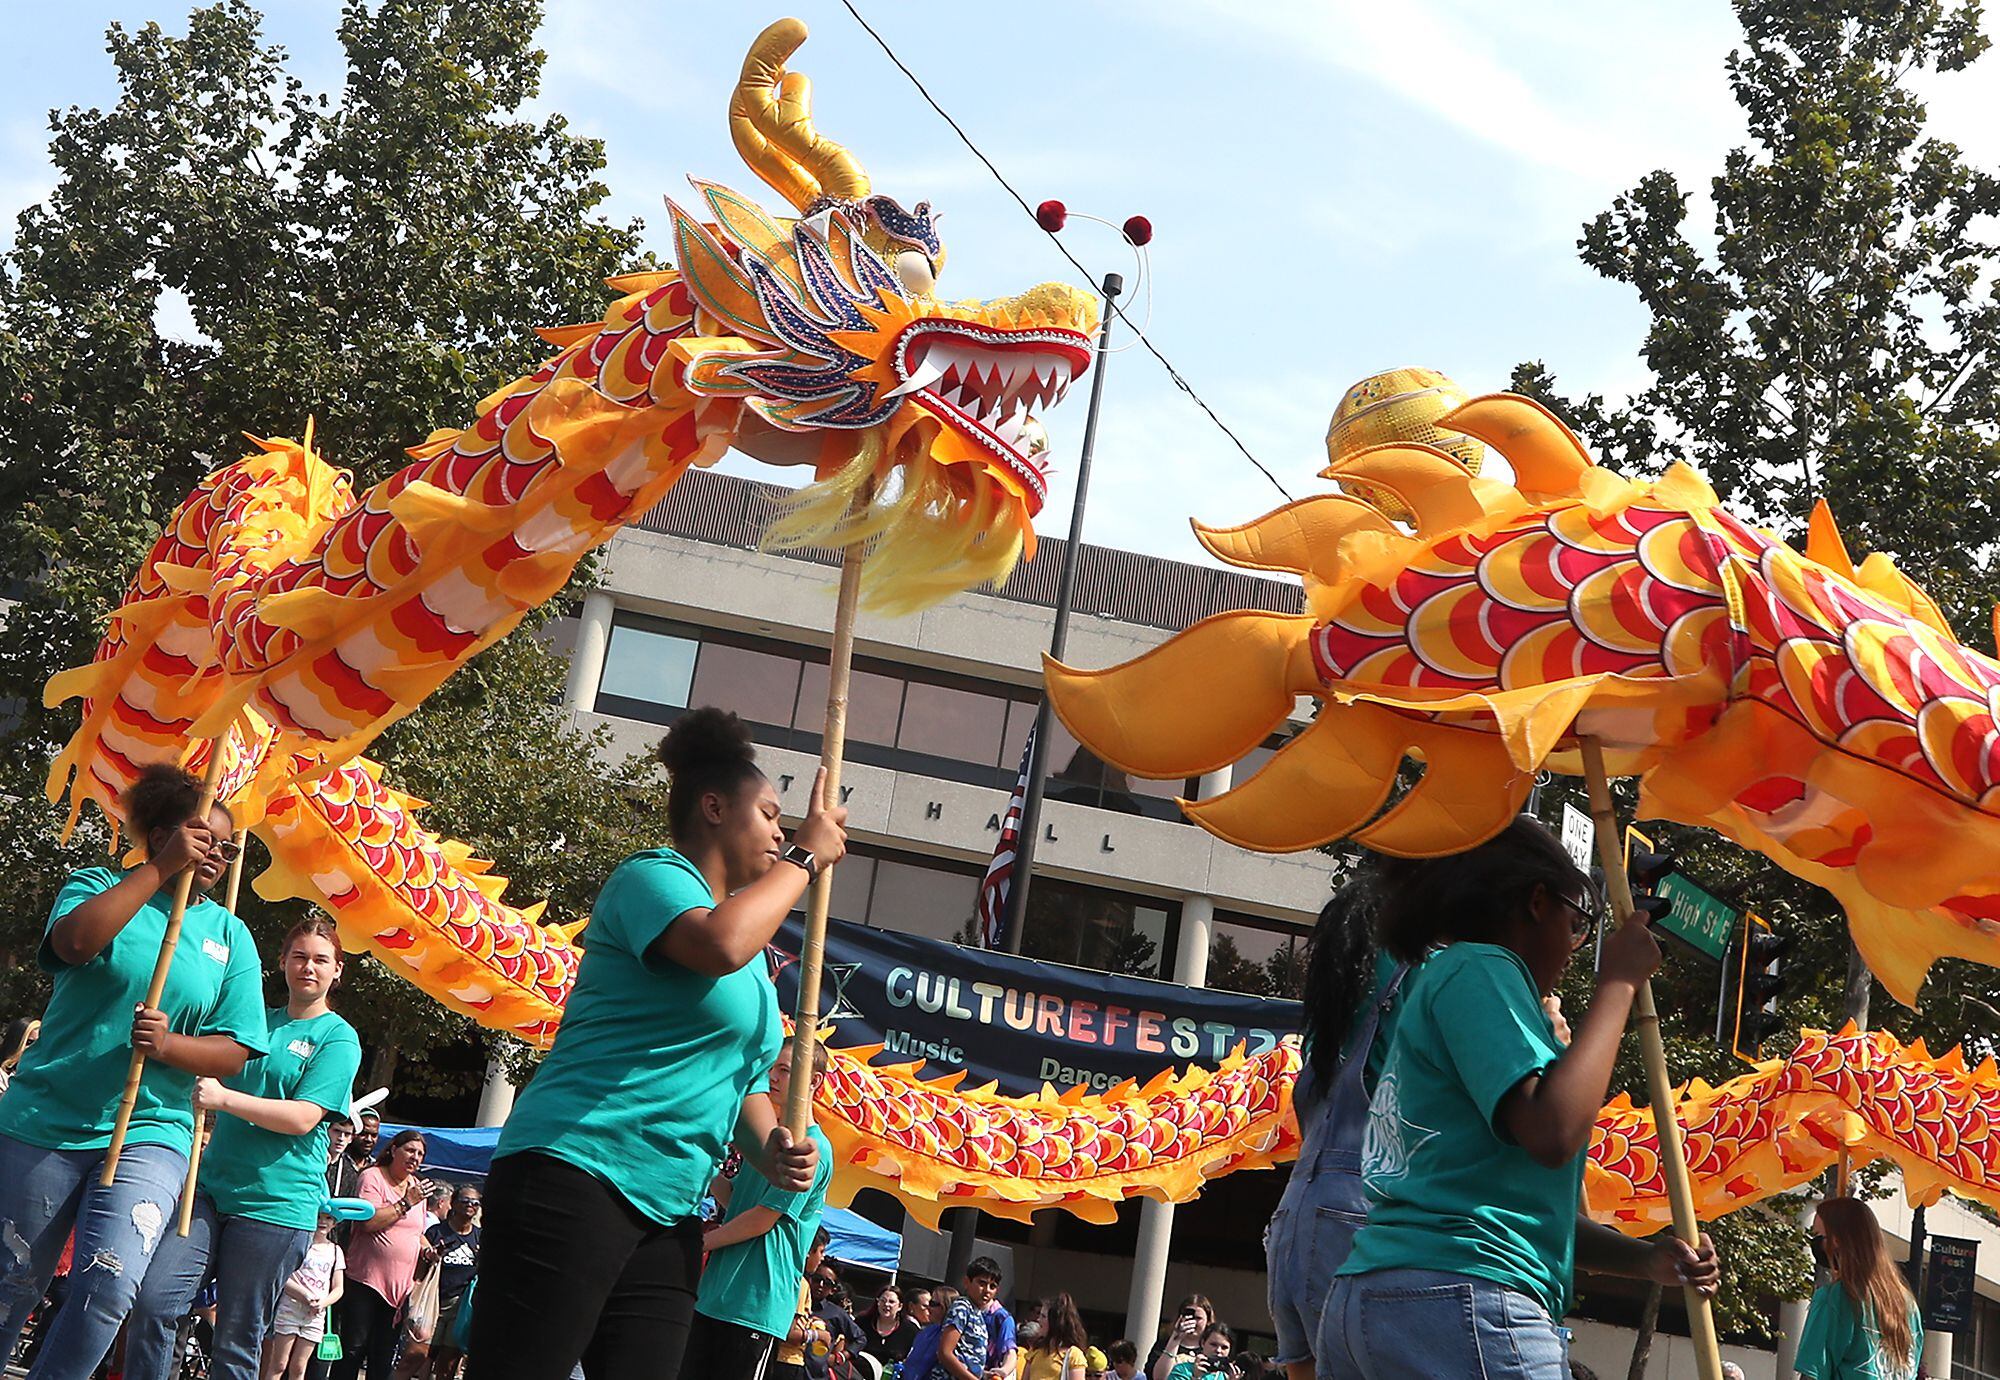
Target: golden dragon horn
x: 770, y: 118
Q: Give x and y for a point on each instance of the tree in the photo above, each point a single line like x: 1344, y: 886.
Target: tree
x: 1843, y: 337
x: 1838, y: 341
x: 380, y: 260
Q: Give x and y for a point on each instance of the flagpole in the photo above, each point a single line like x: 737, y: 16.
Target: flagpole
x: 1031, y: 805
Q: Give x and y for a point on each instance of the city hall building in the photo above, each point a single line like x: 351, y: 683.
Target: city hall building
x: 690, y: 612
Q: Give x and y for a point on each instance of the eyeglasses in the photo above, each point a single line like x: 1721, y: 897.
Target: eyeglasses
x: 1583, y: 920
x: 229, y: 850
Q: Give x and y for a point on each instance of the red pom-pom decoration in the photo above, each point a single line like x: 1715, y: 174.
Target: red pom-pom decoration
x: 1051, y: 216
x: 1139, y: 230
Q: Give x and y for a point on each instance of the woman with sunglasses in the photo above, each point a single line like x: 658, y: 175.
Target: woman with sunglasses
x: 1865, y: 1324
x: 100, y: 947
x: 262, y: 1177
x: 1473, y: 1158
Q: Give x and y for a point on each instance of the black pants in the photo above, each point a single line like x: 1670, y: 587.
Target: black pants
x: 724, y: 1351
x: 569, y: 1270
x: 367, y: 1334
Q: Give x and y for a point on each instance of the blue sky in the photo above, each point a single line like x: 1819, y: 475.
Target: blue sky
x: 1335, y: 187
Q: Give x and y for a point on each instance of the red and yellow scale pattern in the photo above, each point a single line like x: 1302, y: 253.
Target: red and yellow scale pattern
x: 1853, y: 738
x: 1858, y: 1092
x: 1572, y: 593
x: 1811, y: 708
x: 938, y: 1145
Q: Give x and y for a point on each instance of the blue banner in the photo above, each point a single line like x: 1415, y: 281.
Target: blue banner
x: 1018, y: 1022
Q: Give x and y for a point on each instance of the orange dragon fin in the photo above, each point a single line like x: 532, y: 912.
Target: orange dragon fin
x: 1823, y: 543
x: 1309, y: 538
x: 1194, y: 704
x: 1546, y: 456
x: 1435, y: 487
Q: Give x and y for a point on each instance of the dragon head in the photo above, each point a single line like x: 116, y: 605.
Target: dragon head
x: 919, y: 416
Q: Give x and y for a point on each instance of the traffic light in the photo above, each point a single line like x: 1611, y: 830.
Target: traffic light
x: 1760, y: 979
x: 1645, y: 868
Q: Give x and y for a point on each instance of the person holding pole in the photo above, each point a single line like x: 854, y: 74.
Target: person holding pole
x: 101, y: 946
x: 749, y: 1287
x: 262, y: 1178
x: 593, y: 1224
x: 1474, y: 1155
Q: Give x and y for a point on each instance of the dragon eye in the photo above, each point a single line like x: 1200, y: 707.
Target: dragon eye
x: 913, y: 266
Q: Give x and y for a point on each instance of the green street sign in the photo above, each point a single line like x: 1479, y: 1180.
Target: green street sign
x: 1697, y: 919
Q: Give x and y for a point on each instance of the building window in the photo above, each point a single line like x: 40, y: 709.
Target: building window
x: 1266, y: 958
x: 919, y: 897
x: 1092, y: 927
x: 762, y: 687
x: 904, y: 718
x: 648, y: 667
x: 947, y: 722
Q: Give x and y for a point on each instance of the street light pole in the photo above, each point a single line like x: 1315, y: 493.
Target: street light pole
x: 965, y: 1221
x: 1031, y: 803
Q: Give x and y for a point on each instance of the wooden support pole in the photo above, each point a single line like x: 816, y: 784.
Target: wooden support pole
x: 194, y: 1151
x: 183, y: 887
x: 833, y: 751
x: 1659, y: 1086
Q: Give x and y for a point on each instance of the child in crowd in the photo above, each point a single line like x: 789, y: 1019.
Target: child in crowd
x: 754, y: 1255
x: 1473, y: 1158
x: 789, y: 1356
x: 961, y: 1352
x: 1124, y: 1358
x: 300, y: 1321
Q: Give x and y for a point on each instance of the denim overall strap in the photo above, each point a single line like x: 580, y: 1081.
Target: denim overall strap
x: 1333, y: 1143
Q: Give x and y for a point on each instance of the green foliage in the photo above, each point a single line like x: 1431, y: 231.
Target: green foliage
x: 1839, y: 339
x: 1836, y: 338
x: 379, y: 258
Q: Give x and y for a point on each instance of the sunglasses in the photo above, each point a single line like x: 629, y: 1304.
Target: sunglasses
x: 229, y: 850
x: 1583, y: 921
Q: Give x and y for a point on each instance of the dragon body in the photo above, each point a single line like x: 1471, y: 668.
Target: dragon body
x: 1816, y: 711
x: 283, y: 619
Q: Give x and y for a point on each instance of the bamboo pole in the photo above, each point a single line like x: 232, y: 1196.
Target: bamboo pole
x: 183, y: 887
x: 1659, y: 1086
x: 194, y: 1151
x: 833, y: 751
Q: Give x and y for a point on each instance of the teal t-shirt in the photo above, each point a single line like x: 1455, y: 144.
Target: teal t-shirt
x: 65, y: 1093
x: 1839, y: 1343
x: 755, y: 1283
x: 1446, y: 1190
x: 267, y: 1176
x: 653, y: 1060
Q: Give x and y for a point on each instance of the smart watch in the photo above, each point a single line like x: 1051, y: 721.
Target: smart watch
x: 801, y: 857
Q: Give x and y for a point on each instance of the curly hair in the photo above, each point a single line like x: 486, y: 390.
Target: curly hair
x: 707, y: 749
x: 164, y: 797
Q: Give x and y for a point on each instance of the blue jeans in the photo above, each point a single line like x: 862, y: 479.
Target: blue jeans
x: 250, y: 1261
x: 43, y: 1193
x: 1430, y: 1325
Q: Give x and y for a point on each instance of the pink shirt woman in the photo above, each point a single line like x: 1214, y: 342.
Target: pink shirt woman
x: 382, y: 1259
x: 386, y: 1260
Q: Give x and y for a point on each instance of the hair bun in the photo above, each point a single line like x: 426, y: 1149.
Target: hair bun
x: 706, y: 738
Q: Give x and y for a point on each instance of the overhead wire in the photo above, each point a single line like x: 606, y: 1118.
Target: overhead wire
x: 1174, y: 374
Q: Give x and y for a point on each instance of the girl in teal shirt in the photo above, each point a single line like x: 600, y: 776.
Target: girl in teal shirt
x: 1865, y: 1325
x: 593, y: 1229
x: 1473, y: 1157
x: 100, y: 947
x: 263, y: 1178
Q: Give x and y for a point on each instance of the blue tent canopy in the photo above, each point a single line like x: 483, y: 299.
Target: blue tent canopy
x: 468, y: 1150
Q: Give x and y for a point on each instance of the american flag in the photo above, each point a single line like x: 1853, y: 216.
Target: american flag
x: 994, y: 886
